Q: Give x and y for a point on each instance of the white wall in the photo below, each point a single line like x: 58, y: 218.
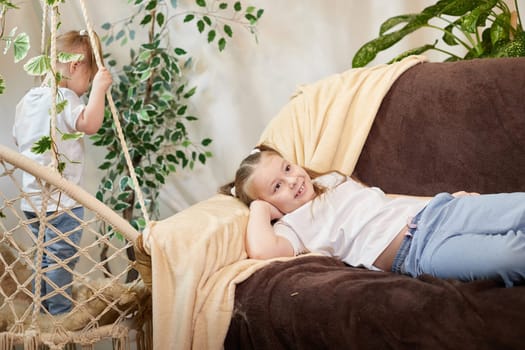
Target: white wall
x: 240, y: 89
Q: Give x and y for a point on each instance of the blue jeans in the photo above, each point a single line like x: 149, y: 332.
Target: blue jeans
x: 63, y: 251
x: 468, y: 238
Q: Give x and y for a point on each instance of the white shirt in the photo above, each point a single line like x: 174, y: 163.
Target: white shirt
x: 32, y: 121
x: 349, y: 221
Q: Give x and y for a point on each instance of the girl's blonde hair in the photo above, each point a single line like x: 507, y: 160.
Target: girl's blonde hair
x: 247, y: 168
x: 74, y: 40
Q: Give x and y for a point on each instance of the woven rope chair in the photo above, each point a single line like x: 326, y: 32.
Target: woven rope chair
x: 103, y: 304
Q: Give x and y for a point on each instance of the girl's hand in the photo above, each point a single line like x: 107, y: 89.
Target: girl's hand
x: 102, y: 80
x: 272, y: 210
x: 463, y: 193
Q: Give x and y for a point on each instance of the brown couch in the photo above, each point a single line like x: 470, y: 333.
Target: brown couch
x: 441, y: 127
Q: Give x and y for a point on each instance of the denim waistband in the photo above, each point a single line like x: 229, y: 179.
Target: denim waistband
x: 399, y: 259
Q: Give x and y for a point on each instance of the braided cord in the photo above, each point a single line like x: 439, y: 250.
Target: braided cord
x: 116, y: 120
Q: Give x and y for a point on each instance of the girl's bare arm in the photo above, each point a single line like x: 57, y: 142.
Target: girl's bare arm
x: 261, y: 240
x: 93, y: 115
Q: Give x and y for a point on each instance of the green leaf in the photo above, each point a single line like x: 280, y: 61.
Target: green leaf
x: 105, y: 165
x: 151, y: 5
x: 200, y: 25
x: 182, y: 110
x: 21, y: 46
x: 415, y: 51
x: 394, y: 21
x: 469, y: 22
x: 222, y: 44
x: 125, y: 182
x: 211, y: 35
x: 228, y: 30
x: 8, y: 4
x: 61, y: 166
x: 201, y: 3
x: 514, y: 48
x: 223, y: 5
x: 72, y: 136
x: 99, y: 196
x: 42, y: 145
x: 202, y: 158
x: 205, y: 142
x: 459, y: 7
x: 160, y: 19
x: 497, y: 30
x: 190, y: 93
x: 121, y: 206
x: 38, y: 65
x: 237, y: 6
x: 189, y: 18
x: 146, y: 20
x: 119, y: 35
x: 61, y: 105
x: 2, y: 85
x: 108, y: 185
x: 106, y: 26
x: 160, y: 178
x: 123, y: 196
x: 251, y: 18
x: 448, y: 37
x: 65, y: 57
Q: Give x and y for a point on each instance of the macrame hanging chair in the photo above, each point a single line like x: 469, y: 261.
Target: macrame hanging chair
x: 104, y: 306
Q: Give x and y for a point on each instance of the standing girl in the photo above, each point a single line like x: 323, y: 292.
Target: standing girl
x: 32, y: 122
x: 465, y: 236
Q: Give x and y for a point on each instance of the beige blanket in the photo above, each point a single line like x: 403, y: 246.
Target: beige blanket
x: 198, y: 255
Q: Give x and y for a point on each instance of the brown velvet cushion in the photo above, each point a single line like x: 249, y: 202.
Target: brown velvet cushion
x: 450, y: 126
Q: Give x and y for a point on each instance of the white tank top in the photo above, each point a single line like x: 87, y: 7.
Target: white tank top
x: 349, y: 221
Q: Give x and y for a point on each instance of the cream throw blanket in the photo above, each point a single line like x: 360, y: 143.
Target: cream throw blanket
x: 198, y: 255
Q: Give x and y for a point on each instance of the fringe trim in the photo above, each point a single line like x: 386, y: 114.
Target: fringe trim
x: 6, y: 341
x: 31, y: 340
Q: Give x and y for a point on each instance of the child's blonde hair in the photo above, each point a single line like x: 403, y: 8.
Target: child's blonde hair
x: 238, y: 187
x: 74, y: 40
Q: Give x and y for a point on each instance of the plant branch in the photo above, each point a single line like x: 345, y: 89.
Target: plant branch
x: 446, y: 52
x: 464, y: 44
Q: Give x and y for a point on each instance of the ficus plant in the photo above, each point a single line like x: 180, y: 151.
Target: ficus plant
x: 152, y: 93
x: 484, y: 28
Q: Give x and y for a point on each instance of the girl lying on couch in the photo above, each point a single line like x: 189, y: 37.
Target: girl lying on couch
x: 293, y: 210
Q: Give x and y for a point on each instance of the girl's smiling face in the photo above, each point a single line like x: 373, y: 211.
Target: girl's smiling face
x: 285, y: 185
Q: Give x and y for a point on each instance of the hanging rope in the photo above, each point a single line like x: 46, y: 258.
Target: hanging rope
x: 116, y: 120
x: 54, y: 88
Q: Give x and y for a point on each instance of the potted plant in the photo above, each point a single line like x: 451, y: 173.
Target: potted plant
x: 484, y: 28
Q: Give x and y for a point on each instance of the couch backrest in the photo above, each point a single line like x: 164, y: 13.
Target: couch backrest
x: 450, y: 126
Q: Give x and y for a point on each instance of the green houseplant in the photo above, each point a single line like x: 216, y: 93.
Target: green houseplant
x: 151, y: 92
x: 484, y: 28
